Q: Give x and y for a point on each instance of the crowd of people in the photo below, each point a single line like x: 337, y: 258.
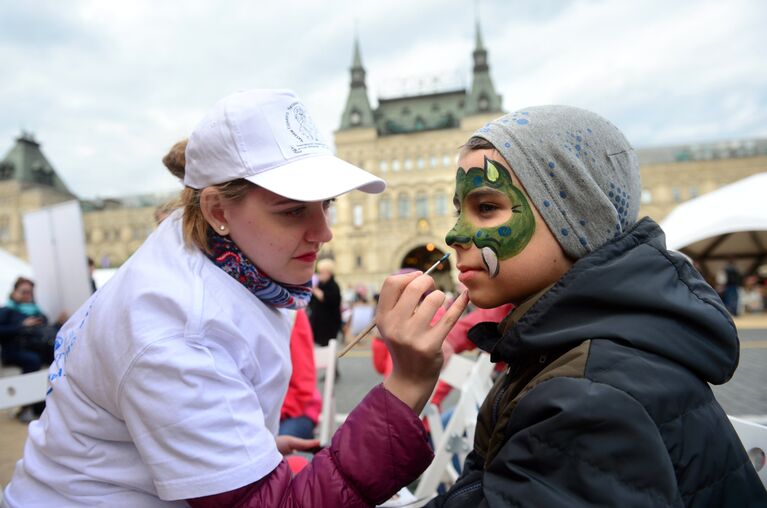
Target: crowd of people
x: 173, y: 387
x: 741, y: 295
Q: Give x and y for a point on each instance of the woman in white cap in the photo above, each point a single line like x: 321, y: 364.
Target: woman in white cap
x: 167, y: 384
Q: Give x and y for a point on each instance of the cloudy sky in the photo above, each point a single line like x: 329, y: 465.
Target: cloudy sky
x: 108, y: 86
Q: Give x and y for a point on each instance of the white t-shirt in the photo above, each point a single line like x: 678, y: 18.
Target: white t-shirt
x: 167, y: 385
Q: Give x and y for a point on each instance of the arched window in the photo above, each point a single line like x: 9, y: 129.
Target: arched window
x: 421, y: 206
x: 403, y: 206
x: 440, y: 204
x: 384, y: 208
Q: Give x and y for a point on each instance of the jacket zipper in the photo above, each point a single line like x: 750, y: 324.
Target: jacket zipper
x: 498, y: 397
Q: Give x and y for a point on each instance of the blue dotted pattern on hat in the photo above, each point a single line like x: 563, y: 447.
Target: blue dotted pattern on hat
x: 574, y: 142
x: 622, y: 203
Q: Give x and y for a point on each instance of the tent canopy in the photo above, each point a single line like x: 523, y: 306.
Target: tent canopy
x: 729, y: 223
x: 11, y: 268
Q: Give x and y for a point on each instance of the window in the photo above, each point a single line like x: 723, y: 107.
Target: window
x: 357, y: 215
x: 694, y: 192
x: 403, y: 206
x: 446, y: 160
x: 421, y: 206
x: 5, y: 228
x: 384, y: 208
x: 440, y: 204
x: 355, y: 118
x: 646, y: 196
x: 358, y: 262
x: 433, y: 161
x: 383, y: 166
x: 676, y: 195
x: 420, y: 163
x: 395, y: 165
x: 408, y: 164
x: 332, y: 214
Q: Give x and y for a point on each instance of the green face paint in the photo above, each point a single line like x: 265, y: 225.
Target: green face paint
x: 497, y: 242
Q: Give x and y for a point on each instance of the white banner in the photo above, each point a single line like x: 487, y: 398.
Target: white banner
x: 56, y: 248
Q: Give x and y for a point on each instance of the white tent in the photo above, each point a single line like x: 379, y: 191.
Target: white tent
x: 728, y: 223
x: 11, y: 268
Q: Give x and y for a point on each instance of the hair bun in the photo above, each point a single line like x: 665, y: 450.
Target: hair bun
x: 175, y: 159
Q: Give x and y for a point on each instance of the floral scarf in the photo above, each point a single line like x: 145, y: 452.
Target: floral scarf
x: 226, y: 255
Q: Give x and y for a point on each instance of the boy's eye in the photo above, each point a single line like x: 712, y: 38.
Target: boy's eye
x: 486, y: 208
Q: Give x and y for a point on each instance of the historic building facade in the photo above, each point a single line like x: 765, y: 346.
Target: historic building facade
x: 410, y: 141
x: 114, y: 228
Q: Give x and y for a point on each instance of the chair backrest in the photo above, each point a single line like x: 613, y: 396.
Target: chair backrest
x: 473, y: 379
x: 325, y: 358
x: 754, y: 439
x: 23, y: 389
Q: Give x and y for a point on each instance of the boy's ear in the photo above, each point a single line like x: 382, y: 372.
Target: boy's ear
x: 212, y: 207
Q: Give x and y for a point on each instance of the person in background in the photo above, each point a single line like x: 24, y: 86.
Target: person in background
x: 169, y: 383
x: 27, y: 338
x: 303, y: 403
x: 361, y: 313
x: 325, y: 305
x: 91, y: 268
x: 753, y: 295
x: 730, y: 281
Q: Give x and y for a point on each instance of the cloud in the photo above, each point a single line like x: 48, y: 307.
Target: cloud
x: 109, y: 87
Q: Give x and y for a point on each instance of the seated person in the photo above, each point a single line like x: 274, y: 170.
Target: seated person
x: 27, y: 338
x: 303, y: 403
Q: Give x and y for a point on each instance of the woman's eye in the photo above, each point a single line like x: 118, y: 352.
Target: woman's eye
x: 295, y: 212
x: 326, y: 204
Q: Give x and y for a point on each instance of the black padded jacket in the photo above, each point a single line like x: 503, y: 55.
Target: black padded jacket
x: 606, y: 401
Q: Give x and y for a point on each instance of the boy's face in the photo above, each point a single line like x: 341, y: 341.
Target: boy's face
x: 505, y: 251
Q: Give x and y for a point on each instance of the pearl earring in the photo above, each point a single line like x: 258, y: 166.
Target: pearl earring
x: 222, y: 227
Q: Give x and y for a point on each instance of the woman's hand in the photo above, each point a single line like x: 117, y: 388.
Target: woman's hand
x: 289, y: 444
x: 414, y: 344
x: 32, y: 321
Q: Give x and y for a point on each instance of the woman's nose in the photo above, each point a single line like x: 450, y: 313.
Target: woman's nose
x: 319, y: 230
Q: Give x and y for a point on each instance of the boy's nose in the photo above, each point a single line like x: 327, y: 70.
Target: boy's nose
x: 454, y: 238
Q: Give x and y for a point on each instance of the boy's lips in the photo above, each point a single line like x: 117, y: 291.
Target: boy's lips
x: 468, y: 272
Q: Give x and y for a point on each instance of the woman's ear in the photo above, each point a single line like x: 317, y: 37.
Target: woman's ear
x: 212, y: 207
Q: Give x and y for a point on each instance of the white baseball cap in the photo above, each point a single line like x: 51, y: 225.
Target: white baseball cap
x: 268, y: 138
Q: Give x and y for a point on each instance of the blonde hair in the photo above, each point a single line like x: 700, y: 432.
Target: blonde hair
x: 326, y: 264
x: 195, y: 227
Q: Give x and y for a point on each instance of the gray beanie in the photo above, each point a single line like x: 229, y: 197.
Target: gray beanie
x: 579, y: 170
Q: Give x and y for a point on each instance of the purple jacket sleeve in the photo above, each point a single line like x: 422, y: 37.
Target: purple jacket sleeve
x: 380, y: 448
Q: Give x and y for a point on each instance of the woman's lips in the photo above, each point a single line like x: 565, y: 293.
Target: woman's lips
x: 309, y: 257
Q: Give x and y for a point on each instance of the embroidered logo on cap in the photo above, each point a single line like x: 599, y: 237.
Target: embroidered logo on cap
x: 295, y: 131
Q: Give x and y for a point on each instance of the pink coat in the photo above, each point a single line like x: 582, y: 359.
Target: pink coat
x: 380, y: 448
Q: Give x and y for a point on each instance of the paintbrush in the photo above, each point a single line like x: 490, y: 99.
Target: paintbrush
x: 372, y: 324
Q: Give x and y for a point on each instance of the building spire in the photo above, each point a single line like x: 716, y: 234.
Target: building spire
x: 482, y: 98
x: 478, y: 45
x: 357, y: 112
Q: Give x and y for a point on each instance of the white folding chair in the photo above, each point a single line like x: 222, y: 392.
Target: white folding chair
x: 23, y: 389
x: 325, y: 358
x: 754, y: 439
x: 473, y: 380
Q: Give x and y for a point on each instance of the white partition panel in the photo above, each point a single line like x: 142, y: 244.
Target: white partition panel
x: 56, y: 246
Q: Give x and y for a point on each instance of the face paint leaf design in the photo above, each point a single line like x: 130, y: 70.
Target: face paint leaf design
x: 491, y: 170
x: 490, y: 260
x: 504, y: 240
